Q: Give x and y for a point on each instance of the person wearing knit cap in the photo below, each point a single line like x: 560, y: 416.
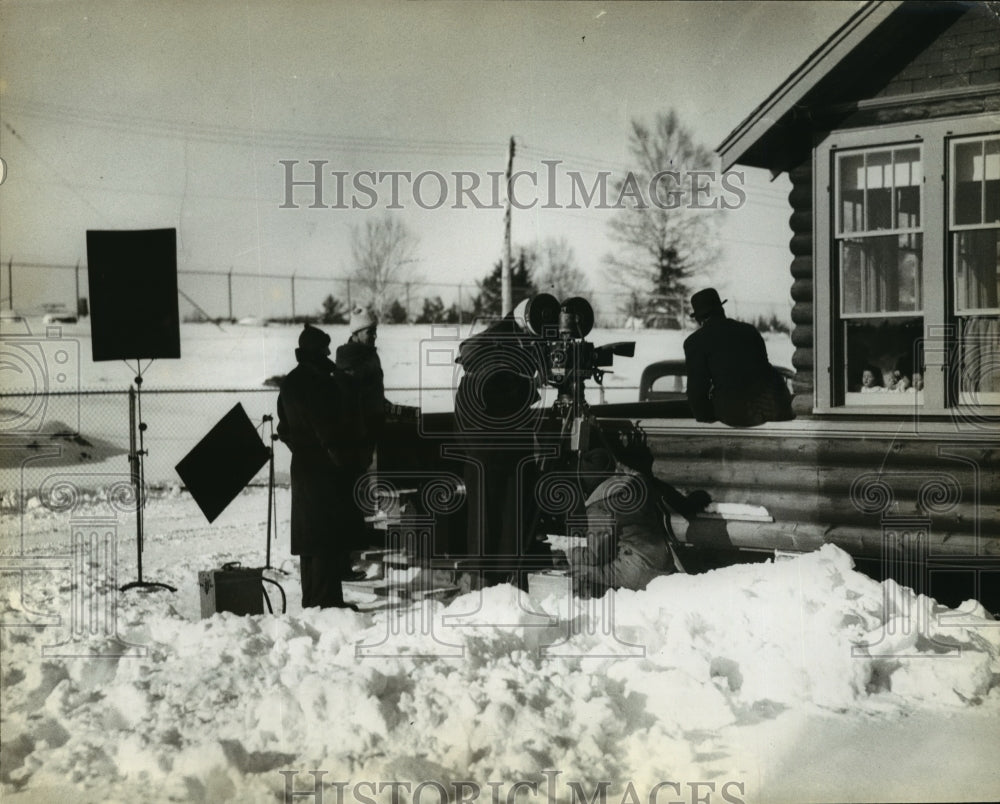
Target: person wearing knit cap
x: 359, y: 359
x: 319, y: 421
x: 363, y: 319
x: 729, y: 377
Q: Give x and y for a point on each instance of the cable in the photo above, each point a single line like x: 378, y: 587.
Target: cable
x: 229, y: 135
x: 284, y: 600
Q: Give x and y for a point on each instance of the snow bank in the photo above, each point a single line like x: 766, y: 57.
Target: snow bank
x: 635, y: 688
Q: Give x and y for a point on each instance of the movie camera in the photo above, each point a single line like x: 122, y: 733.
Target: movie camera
x: 567, y: 359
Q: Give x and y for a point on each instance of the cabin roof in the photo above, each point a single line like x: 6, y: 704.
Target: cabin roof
x: 854, y: 62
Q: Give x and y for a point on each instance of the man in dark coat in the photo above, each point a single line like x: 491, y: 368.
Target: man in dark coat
x: 497, y: 423
x: 319, y: 421
x: 729, y: 378
x: 359, y: 359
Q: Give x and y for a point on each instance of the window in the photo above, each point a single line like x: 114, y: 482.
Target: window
x: 974, y: 231
x: 879, y: 254
x: 907, y: 282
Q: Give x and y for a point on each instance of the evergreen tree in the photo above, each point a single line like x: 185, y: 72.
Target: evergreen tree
x: 333, y: 311
x: 433, y: 312
x: 487, y: 301
x: 397, y: 313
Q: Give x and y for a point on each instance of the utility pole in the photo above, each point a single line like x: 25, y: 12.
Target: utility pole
x: 230, y: 293
x: 506, y: 296
x: 76, y: 272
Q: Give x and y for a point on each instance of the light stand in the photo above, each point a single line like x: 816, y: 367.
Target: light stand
x: 269, y: 420
x: 137, y: 469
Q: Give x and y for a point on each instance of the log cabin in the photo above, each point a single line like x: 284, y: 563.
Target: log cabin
x: 890, y: 135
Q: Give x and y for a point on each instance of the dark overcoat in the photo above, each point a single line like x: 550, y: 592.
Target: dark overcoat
x: 319, y: 422
x: 729, y: 377
x: 496, y: 420
x: 362, y: 363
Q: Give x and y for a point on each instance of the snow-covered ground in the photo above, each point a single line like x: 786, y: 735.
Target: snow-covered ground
x: 795, y: 680
x: 219, y: 367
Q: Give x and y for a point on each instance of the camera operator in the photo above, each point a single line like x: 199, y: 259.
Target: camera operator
x: 319, y: 421
x: 494, y: 414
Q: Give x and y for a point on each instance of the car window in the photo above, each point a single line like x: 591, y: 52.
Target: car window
x: 671, y: 383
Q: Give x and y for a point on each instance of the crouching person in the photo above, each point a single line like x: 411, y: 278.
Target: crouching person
x: 626, y: 539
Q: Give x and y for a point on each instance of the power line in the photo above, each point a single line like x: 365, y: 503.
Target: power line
x: 232, y: 135
x: 65, y: 182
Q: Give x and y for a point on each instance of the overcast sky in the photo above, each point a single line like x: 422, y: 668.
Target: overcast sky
x: 176, y: 114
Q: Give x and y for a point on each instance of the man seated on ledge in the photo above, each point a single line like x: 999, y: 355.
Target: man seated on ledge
x: 729, y: 376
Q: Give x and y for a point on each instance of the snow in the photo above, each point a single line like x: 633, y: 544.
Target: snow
x: 221, y: 366
x: 787, y: 680
x: 795, y: 679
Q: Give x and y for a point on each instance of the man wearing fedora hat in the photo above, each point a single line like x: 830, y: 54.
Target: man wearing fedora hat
x: 730, y: 378
x: 319, y: 422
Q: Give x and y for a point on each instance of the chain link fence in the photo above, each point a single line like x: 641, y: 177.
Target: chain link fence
x: 35, y: 288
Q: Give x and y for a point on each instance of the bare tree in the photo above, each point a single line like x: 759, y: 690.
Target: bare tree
x: 557, y: 271
x: 665, y: 241
x: 384, y: 252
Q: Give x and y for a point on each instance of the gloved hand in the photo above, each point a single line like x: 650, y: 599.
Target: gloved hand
x: 695, y: 503
x: 402, y: 413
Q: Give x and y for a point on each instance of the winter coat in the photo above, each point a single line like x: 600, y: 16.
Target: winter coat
x: 498, y: 386
x: 319, y: 422
x: 626, y: 544
x: 361, y: 362
x: 496, y: 422
x: 729, y: 377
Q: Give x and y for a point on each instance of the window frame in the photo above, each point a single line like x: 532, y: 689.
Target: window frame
x: 937, y: 140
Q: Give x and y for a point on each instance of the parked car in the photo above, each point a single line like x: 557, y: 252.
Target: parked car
x: 666, y: 381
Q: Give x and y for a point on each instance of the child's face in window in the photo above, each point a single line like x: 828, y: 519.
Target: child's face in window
x: 867, y: 379
x: 918, y: 382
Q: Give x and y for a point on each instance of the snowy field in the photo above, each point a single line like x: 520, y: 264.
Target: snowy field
x: 800, y: 680
x: 219, y: 367
x: 795, y: 680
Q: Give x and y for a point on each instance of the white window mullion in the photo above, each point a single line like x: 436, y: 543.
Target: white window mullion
x: 938, y: 344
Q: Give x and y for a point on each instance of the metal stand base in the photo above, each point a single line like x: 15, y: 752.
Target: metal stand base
x: 146, y: 585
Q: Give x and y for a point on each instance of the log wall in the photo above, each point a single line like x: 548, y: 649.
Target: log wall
x: 844, y: 488
x: 801, y: 245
